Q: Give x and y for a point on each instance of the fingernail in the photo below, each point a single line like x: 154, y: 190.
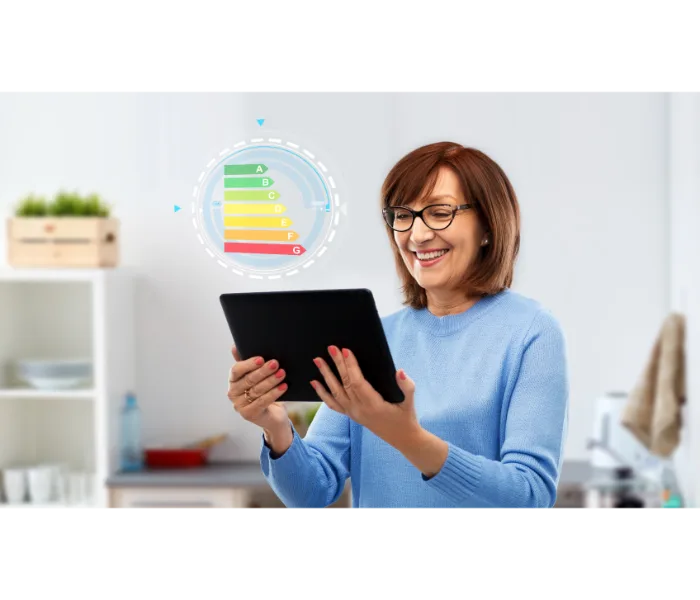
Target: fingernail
x: 282, y: 386
x: 317, y: 362
x: 402, y: 374
x: 272, y: 364
x: 313, y: 384
x: 332, y: 350
x: 279, y: 374
x: 259, y: 361
x: 346, y: 352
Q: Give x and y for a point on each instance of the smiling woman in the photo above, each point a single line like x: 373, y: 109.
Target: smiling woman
x: 484, y: 415
x: 482, y: 233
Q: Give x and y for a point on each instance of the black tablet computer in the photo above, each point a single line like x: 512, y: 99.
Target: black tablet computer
x: 294, y: 327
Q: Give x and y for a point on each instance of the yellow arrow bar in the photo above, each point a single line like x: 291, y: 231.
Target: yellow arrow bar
x: 267, y: 236
x: 232, y: 208
x: 257, y: 221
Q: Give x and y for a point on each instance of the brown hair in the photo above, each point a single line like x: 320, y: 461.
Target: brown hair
x: 486, y: 187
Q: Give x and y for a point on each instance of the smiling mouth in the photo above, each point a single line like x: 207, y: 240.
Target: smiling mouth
x: 430, y: 257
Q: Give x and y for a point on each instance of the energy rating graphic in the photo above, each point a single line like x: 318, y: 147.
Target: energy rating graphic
x: 266, y: 208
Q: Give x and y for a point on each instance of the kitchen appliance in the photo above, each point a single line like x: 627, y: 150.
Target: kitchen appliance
x: 614, y: 445
x: 624, y: 472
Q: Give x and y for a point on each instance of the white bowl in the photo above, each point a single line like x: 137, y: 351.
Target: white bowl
x: 55, y: 383
x: 54, y: 374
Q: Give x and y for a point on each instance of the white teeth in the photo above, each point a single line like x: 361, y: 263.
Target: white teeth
x: 430, y: 255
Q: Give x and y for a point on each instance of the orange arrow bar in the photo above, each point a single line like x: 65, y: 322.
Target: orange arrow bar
x: 260, y: 235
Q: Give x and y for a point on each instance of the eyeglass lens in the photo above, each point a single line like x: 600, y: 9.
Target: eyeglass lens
x: 435, y: 217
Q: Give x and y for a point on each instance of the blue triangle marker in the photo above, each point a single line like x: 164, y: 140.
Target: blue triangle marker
x: 260, y: 122
x: 177, y: 208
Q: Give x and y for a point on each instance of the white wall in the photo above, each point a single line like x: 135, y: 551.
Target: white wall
x: 589, y: 169
x: 684, y: 196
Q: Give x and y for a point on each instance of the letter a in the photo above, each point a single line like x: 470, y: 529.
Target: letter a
x: 259, y: 169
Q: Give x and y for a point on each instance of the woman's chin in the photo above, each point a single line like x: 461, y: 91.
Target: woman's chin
x: 430, y: 282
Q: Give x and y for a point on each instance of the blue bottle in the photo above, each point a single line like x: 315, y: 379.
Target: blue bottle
x: 130, y: 451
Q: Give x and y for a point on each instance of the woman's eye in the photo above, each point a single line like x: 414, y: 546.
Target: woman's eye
x: 441, y: 214
x: 400, y: 217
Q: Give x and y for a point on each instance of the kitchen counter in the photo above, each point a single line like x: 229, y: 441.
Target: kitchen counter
x: 575, y: 472
x: 248, y: 474
x: 243, y: 484
x: 213, y: 475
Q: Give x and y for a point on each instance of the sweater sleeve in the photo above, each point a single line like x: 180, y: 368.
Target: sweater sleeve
x: 312, y: 472
x: 536, y: 423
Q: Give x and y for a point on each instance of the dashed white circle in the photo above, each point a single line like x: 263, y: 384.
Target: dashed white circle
x: 325, y: 176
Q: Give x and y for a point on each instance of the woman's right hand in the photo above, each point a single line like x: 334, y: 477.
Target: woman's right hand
x: 264, y: 382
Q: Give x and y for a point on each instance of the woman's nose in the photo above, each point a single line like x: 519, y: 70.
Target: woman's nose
x: 420, y: 232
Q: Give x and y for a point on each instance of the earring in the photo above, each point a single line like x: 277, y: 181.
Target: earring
x: 484, y: 241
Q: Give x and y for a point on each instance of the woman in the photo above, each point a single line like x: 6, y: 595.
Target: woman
x: 484, y: 414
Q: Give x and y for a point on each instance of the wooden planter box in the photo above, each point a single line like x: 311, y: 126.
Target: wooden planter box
x: 62, y: 242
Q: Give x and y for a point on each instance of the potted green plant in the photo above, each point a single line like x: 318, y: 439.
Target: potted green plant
x: 301, y: 419
x: 311, y: 413
x: 69, y: 231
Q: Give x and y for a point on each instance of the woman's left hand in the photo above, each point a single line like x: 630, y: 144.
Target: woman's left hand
x: 353, y: 396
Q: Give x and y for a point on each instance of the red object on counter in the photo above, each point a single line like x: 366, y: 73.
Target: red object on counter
x: 175, y: 458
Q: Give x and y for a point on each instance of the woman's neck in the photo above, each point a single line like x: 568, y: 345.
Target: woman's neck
x: 449, y: 303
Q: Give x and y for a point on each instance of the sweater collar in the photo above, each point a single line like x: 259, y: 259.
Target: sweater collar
x: 450, y: 324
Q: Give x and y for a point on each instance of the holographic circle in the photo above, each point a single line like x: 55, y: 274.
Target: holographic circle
x: 266, y: 208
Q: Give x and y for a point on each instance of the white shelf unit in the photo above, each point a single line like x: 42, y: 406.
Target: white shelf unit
x: 66, y: 313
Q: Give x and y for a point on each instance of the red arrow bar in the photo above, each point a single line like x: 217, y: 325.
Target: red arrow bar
x: 292, y: 249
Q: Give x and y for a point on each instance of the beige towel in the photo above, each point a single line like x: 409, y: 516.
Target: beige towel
x: 653, y: 410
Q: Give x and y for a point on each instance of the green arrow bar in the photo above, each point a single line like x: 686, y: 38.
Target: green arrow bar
x: 251, y: 195
x: 247, y: 182
x: 244, y: 169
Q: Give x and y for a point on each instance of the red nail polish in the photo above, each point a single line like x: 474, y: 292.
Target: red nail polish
x: 282, y: 386
x: 333, y: 350
x: 273, y: 364
x: 313, y: 384
x: 402, y: 374
x: 346, y: 352
x: 259, y: 361
x: 317, y: 362
x: 279, y: 374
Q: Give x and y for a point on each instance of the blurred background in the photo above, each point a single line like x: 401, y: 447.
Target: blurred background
x: 135, y: 349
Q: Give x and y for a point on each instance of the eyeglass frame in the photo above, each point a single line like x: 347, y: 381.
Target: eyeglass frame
x: 419, y: 213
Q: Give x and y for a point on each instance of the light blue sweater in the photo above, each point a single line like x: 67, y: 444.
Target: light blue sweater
x: 491, y: 381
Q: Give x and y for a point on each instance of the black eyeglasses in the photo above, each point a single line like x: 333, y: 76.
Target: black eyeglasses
x: 435, y: 216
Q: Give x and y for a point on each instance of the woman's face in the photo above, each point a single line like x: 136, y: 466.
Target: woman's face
x: 438, y: 260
